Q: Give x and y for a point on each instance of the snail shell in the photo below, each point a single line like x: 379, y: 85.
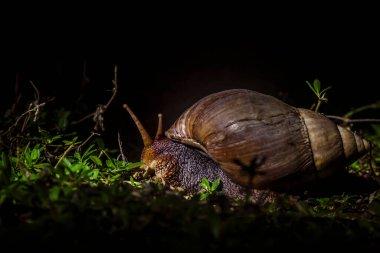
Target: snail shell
x: 261, y: 142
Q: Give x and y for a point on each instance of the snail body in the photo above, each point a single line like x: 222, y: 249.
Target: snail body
x: 180, y: 166
x: 249, y: 140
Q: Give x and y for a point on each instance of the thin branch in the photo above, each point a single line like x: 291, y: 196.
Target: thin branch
x: 37, y: 97
x: 374, y: 105
x: 347, y: 120
x: 64, y: 155
x: 121, y: 147
x: 97, y: 116
x: 22, y: 115
x: 26, y: 120
x: 83, y: 119
x: 88, y: 138
x: 114, y: 90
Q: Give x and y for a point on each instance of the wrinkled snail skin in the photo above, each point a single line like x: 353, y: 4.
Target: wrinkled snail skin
x: 184, y: 167
x: 250, y: 141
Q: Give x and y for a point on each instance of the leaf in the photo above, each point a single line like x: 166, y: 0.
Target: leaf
x: 326, y: 89
x: 203, y: 196
x: 57, y: 137
x: 311, y: 87
x: 76, y: 167
x: 215, y: 184
x: 122, y: 165
x: 317, y: 86
x: 88, y: 151
x: 131, y: 166
x: 113, y: 178
x: 96, y: 160
x: 110, y: 164
x: 95, y: 174
x: 33, y: 176
x: 134, y: 183
x: 42, y: 165
x: 35, y: 154
x: 54, y: 193
x: 205, y: 184
x: 78, y: 156
x: 66, y: 162
x: 73, y: 141
x: 85, y: 167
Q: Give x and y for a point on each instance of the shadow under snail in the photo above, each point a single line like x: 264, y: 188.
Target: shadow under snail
x: 250, y: 141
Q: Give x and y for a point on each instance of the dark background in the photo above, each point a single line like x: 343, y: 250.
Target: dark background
x: 166, y: 65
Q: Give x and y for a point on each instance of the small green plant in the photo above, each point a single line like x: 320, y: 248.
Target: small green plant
x: 208, y: 189
x: 134, y: 183
x: 321, y: 94
x: 26, y: 165
x: 83, y: 164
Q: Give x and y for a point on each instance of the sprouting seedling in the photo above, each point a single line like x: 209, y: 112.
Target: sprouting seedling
x: 208, y: 189
x: 321, y: 94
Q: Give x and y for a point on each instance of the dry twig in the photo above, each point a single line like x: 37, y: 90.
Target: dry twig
x: 121, y: 148
x: 35, y: 107
x: 97, y: 116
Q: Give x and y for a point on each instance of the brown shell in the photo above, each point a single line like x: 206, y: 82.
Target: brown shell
x: 261, y: 142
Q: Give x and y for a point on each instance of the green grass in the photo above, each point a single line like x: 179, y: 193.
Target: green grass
x: 60, y: 191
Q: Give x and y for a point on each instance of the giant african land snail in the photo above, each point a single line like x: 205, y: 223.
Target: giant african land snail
x: 249, y: 140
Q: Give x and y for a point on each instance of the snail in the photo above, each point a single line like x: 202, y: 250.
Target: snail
x: 250, y: 141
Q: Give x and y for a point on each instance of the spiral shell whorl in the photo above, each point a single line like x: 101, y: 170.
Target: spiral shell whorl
x: 354, y: 146
x: 333, y: 146
x: 325, y: 142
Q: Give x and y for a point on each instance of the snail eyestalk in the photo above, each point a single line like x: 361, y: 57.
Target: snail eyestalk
x: 144, y: 134
x: 159, y: 128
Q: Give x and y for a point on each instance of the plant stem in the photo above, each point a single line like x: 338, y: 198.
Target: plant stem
x: 375, y: 105
x: 347, y: 120
x: 64, y: 155
x: 318, y: 105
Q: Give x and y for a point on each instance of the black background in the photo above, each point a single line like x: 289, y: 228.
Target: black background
x: 166, y: 63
